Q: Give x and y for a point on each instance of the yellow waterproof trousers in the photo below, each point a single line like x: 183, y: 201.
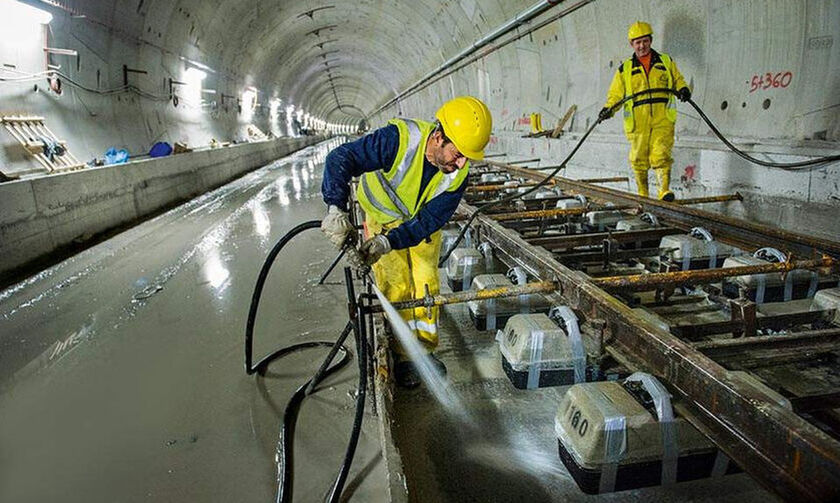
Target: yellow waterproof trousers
x: 650, y: 147
x: 403, y: 275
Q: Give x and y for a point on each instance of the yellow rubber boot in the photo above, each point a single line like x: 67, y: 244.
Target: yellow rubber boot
x: 664, y: 177
x: 536, y: 123
x: 641, y: 181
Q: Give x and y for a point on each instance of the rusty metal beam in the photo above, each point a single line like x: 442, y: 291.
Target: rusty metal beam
x: 596, y: 238
x: 775, y: 322
x: 784, y: 452
x: 606, y: 255
x: 604, y: 180
x: 722, y: 227
x: 557, y: 212
x: 710, y: 199
x: 495, y: 187
x: 468, y: 295
x: 771, y: 350
x: 642, y: 282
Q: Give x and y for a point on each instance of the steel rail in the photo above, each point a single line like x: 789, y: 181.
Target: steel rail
x: 784, y: 452
x: 604, y: 180
x: 557, y: 212
x: 648, y: 281
x: 710, y: 199
x: 469, y: 295
x: 721, y: 226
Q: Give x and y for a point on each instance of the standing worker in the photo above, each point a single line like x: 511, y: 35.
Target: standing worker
x: 413, y: 174
x: 648, y: 120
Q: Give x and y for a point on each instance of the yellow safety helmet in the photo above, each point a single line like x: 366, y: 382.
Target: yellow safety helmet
x: 639, y: 29
x: 467, y: 122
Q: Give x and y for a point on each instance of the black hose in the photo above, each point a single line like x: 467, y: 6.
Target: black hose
x: 361, y: 347
x: 285, y: 446
x: 511, y: 197
x: 794, y: 166
x: 258, y: 288
x: 613, y: 109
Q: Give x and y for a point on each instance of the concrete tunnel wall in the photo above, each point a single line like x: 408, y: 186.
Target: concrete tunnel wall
x: 341, y: 61
x: 42, y: 215
x: 720, y: 47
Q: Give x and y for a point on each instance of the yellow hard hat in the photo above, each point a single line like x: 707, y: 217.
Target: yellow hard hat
x: 467, y: 122
x: 639, y: 29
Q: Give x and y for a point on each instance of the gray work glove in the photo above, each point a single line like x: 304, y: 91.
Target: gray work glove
x: 604, y: 114
x: 373, y: 249
x: 336, y: 225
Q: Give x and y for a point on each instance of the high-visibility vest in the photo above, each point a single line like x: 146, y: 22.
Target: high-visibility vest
x: 668, y: 81
x: 395, y: 194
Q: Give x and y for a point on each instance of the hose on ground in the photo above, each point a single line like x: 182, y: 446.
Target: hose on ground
x: 285, y: 450
x: 789, y: 166
x: 258, y: 288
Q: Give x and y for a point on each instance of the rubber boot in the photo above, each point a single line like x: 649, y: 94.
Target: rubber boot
x: 641, y: 181
x: 664, y: 177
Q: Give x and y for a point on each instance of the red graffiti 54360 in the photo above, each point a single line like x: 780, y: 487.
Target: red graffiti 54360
x: 768, y: 80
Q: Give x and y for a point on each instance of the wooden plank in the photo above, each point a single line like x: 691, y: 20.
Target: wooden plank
x: 562, y: 122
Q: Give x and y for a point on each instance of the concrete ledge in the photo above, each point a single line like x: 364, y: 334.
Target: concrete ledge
x: 42, y: 215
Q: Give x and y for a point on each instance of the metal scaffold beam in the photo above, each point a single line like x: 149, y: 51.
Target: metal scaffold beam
x: 726, y: 229
x: 780, y: 449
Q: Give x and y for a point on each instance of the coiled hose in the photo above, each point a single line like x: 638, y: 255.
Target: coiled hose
x: 285, y: 444
x: 613, y: 109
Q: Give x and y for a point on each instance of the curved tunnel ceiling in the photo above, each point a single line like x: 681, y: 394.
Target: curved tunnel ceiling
x: 288, y: 49
x: 336, y: 60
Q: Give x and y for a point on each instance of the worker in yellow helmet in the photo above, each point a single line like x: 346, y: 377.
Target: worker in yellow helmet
x: 648, y: 120
x: 412, y: 177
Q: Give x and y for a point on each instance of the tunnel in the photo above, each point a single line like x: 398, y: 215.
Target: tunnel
x: 156, y: 153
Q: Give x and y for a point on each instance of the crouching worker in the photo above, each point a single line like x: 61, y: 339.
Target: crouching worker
x: 413, y: 175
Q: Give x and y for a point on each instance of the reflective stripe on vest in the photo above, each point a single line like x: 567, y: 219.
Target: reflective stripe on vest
x: 379, y: 206
x: 391, y: 192
x: 414, y: 138
x: 670, y: 105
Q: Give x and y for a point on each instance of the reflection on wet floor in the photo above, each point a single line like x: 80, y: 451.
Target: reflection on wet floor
x: 121, y: 368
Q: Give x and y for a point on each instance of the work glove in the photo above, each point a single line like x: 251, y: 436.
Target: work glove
x: 336, y: 225
x: 684, y: 94
x: 604, y: 114
x: 373, y: 249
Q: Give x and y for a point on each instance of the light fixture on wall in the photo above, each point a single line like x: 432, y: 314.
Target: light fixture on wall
x: 249, y: 98
x: 194, y: 75
x: 18, y: 12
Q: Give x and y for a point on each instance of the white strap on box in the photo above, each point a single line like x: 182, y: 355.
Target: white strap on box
x: 534, y: 370
x: 573, y: 332
x: 665, y: 415
x: 517, y: 274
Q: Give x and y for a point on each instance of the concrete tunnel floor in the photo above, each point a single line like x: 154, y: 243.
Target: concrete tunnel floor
x: 122, y: 367
x: 122, y: 378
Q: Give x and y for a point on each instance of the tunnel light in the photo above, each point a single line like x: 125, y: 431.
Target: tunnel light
x: 194, y: 75
x: 17, y: 12
x: 249, y: 99
x: 290, y: 110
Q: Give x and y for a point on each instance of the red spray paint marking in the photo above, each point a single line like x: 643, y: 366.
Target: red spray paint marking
x: 688, y: 174
x: 768, y: 80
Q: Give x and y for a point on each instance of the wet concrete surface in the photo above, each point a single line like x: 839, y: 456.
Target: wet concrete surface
x: 121, y: 368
